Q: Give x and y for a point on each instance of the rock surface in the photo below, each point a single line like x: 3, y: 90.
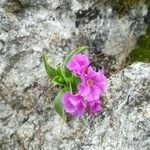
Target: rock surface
x: 32, y: 124
x: 57, y: 26
x: 27, y: 119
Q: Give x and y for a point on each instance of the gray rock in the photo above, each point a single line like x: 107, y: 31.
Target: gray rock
x: 124, y: 123
x: 27, y: 120
x: 32, y: 26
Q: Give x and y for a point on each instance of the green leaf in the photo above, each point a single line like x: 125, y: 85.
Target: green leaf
x: 64, y: 74
x: 49, y: 69
x: 58, y: 105
x: 58, y: 70
x: 67, y: 73
x: 58, y: 80
x: 78, y: 50
x: 74, y: 82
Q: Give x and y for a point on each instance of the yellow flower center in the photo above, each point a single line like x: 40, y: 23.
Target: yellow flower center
x: 89, y: 82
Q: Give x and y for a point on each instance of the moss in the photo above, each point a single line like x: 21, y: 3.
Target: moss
x: 122, y: 6
x: 142, y: 52
x: 1, y: 144
x: 13, y: 6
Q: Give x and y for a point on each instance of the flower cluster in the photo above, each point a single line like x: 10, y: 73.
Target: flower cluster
x: 80, y: 85
x: 92, y: 85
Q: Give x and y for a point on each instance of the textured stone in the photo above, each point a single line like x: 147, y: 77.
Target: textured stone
x: 124, y: 123
x: 27, y: 119
x: 32, y: 26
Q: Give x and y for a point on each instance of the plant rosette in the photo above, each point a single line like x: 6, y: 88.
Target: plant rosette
x: 81, y: 86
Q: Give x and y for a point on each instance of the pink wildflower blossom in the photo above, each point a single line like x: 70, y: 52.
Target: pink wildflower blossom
x: 73, y: 104
x: 92, y: 84
x: 94, y: 106
x: 78, y: 64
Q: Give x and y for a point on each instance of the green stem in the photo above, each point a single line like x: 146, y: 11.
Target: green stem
x: 70, y: 87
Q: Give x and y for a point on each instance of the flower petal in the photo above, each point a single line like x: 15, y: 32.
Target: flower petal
x: 94, y: 93
x: 78, y: 64
x: 73, y: 104
x: 83, y: 89
x: 94, y: 106
x: 80, y: 110
x: 66, y: 103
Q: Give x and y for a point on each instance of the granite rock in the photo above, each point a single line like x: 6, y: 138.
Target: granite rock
x: 124, y: 123
x: 27, y: 119
x: 58, y: 26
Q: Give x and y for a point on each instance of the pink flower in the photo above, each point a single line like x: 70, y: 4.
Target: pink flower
x: 78, y: 64
x: 92, y: 84
x: 73, y: 104
x: 94, y: 106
